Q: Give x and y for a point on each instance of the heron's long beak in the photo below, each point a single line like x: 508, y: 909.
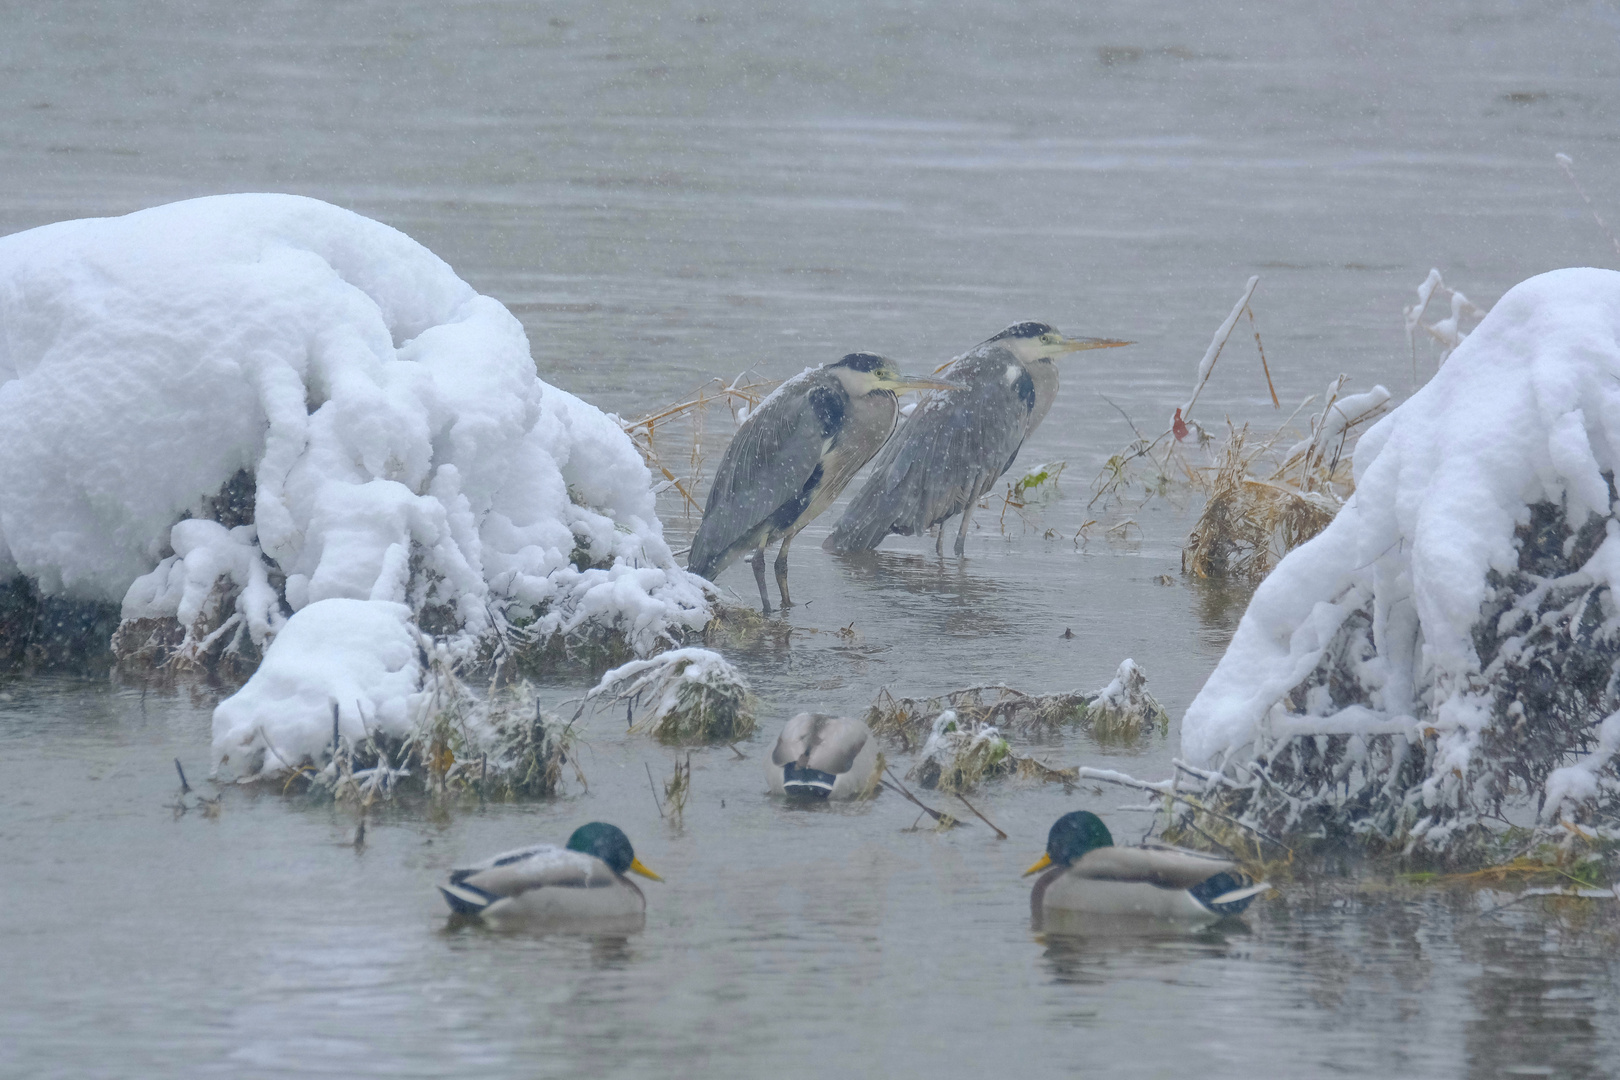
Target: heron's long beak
x: 637, y: 868
x: 902, y: 383
x: 1078, y: 344
x: 1046, y: 860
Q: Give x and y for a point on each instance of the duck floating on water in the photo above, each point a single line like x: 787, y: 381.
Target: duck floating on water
x: 1086, y: 873
x: 822, y: 757
x: 583, y: 880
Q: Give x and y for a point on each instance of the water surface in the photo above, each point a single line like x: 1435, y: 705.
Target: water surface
x: 668, y: 194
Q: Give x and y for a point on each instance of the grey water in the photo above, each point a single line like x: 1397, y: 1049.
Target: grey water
x: 669, y: 193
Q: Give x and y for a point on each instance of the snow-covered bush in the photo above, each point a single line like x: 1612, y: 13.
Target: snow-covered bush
x: 1444, y: 654
x: 224, y: 411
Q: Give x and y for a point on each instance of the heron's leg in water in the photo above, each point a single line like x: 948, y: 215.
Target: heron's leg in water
x: 758, y: 563
x: 939, y: 541
x: 961, y: 534
x: 781, y: 568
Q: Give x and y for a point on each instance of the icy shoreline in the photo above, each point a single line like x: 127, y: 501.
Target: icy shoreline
x: 221, y: 412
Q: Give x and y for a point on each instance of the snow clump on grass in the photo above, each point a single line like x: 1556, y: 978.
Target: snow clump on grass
x: 685, y: 695
x: 1443, y: 657
x: 959, y: 754
x: 359, y: 702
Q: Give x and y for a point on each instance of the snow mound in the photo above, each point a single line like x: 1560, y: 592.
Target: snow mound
x: 363, y: 656
x: 328, y: 412
x: 1450, y: 641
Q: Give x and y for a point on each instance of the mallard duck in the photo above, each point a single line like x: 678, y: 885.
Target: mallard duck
x: 584, y: 879
x: 1085, y: 872
x: 823, y: 757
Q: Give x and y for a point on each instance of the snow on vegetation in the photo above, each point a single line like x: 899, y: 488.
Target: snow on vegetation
x: 222, y: 413
x: 1120, y: 712
x: 1441, y: 661
x: 685, y: 696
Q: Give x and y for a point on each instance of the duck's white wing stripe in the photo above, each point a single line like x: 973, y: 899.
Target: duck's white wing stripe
x: 1240, y: 894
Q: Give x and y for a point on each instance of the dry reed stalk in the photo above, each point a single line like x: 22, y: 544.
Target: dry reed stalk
x: 1567, y: 163
x: 682, y: 425
x: 678, y: 787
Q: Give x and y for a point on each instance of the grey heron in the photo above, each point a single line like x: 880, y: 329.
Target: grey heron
x: 792, y: 457
x: 959, y: 442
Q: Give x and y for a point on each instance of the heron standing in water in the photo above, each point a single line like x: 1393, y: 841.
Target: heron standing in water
x: 792, y: 457
x: 959, y: 442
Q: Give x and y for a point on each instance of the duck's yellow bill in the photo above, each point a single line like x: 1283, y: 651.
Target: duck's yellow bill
x: 1046, y: 860
x: 637, y: 868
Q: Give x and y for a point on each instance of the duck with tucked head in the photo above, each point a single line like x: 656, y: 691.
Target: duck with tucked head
x: 822, y: 757
x: 583, y: 880
x: 1086, y: 873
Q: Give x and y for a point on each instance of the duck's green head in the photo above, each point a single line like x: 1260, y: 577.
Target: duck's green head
x: 608, y: 843
x: 1072, y: 836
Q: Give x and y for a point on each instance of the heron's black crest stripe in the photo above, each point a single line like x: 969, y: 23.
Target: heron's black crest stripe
x: 1023, y: 330
x: 1209, y: 888
x: 830, y: 403
x: 1026, y: 390
x: 861, y: 361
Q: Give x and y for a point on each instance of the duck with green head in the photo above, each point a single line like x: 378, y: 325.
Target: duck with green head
x: 1085, y: 872
x: 583, y: 880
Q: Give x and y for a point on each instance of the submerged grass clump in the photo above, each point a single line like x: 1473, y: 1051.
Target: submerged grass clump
x: 1121, y: 712
x: 503, y: 747
x: 1263, y: 496
x: 684, y: 696
x: 960, y: 754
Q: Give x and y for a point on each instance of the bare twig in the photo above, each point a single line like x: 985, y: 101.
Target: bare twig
x: 1108, y: 776
x: 1567, y: 163
x: 656, y: 800
x: 1275, y: 404
x: 185, y: 788
x: 999, y: 834
x: 1206, y: 366
x: 901, y: 789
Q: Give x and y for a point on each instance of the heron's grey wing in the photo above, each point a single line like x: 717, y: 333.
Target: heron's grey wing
x: 951, y: 449
x: 544, y: 865
x: 775, y: 454
x: 1168, y: 868
x: 826, y: 743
